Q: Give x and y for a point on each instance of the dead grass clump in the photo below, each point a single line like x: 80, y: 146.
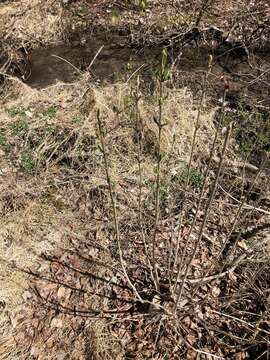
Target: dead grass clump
x: 23, y: 236
x: 178, y: 112
x: 117, y: 112
x: 31, y: 23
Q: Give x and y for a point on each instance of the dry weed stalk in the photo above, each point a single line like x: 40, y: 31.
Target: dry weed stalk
x: 183, y: 255
x: 139, y: 134
x: 114, y: 210
x: 241, y: 206
x: 187, y: 181
x: 162, y: 76
x: 235, y: 262
x: 157, y: 194
x: 205, y: 217
x: 219, y: 124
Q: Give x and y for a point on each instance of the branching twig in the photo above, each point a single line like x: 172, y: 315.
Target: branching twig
x: 139, y: 134
x: 157, y: 189
x: 115, y: 217
x: 194, y: 138
x: 206, y: 213
x: 201, y: 192
x: 241, y: 321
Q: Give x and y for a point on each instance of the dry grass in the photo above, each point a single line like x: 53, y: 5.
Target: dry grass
x: 31, y: 23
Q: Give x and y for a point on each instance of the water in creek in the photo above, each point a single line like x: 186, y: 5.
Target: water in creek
x: 60, y: 63
x: 113, y: 62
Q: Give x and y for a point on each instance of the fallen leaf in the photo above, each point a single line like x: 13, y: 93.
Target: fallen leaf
x: 34, y: 351
x: 215, y: 291
x: 57, y: 322
x: 61, y: 292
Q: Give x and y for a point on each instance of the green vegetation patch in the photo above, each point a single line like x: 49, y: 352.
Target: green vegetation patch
x: 3, y: 139
x: 17, y: 110
x: 19, y: 127
x: 196, y: 178
x: 49, y: 113
x: 27, y: 163
x: 252, y: 130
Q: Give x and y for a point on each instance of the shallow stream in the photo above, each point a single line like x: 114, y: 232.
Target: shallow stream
x: 112, y: 62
